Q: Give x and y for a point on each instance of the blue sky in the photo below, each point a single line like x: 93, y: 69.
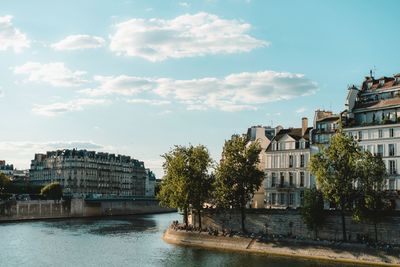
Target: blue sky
x: 137, y: 77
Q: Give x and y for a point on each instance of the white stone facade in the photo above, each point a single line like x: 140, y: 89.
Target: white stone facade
x: 83, y: 173
x: 286, y: 174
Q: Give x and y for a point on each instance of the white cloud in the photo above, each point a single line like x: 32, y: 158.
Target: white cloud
x: 184, y: 4
x: 301, y: 110
x: 21, y: 153
x: 11, y: 37
x: 55, y: 109
x: 123, y: 85
x: 55, y: 74
x: 235, y: 92
x: 152, y: 102
x: 184, y: 36
x: 81, y: 41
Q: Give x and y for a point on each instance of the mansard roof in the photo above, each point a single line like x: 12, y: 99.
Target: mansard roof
x: 379, y: 104
x: 295, y: 133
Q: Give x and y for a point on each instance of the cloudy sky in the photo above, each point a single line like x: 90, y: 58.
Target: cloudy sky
x: 137, y: 77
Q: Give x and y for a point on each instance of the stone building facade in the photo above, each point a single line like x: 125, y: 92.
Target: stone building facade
x: 373, y: 119
x: 286, y: 174
x: 83, y: 173
x: 7, y: 169
x: 263, y: 135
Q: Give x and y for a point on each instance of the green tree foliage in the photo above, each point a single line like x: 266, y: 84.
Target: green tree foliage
x: 372, y: 203
x: 52, y: 191
x: 335, y: 169
x: 187, y: 181
x: 312, y: 210
x: 4, y: 183
x: 237, y: 176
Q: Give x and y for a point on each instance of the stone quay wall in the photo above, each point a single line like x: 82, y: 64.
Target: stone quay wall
x: 290, y: 223
x: 50, y: 209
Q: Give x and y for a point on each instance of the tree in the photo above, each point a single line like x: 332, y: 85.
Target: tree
x: 4, y: 182
x: 187, y: 181
x: 52, y: 191
x: 237, y: 176
x: 372, y: 202
x: 312, y: 210
x: 335, y: 169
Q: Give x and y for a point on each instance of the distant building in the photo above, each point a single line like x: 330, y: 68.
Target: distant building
x: 373, y: 119
x: 150, y: 183
x: 324, y: 127
x: 286, y: 174
x: 7, y: 169
x: 263, y: 135
x: 20, y: 176
x: 83, y: 172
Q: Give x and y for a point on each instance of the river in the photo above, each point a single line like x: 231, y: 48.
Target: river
x: 117, y: 241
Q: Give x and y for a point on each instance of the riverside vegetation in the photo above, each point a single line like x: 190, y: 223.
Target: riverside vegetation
x: 351, y: 180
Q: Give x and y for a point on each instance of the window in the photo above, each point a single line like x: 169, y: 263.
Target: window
x: 290, y: 161
x: 291, y: 178
x: 281, y: 198
x: 391, y: 184
x: 291, y: 199
x: 301, y: 179
x: 273, y: 198
x: 380, y: 151
x: 360, y: 135
x: 282, y: 181
x: 301, y: 145
x: 301, y: 160
x: 302, y: 197
x: 380, y: 135
x: 392, y: 167
x: 391, y: 150
x: 273, y: 179
x: 391, y: 132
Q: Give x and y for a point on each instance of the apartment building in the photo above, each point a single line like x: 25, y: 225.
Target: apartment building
x: 83, y: 173
x: 263, y: 135
x: 7, y: 169
x: 286, y: 174
x: 373, y: 119
x: 324, y: 127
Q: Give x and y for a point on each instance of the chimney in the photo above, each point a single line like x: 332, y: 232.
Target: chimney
x: 304, y: 125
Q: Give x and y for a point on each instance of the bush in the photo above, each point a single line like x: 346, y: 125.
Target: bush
x: 52, y: 191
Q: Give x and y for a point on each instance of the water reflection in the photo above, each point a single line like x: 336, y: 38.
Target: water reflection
x: 107, y: 226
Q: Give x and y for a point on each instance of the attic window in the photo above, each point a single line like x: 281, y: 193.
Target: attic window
x: 369, y: 85
x: 381, y: 82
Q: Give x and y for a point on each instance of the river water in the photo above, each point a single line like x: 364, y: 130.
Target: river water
x: 118, y: 241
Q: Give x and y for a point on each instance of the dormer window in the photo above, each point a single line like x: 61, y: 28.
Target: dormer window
x: 369, y: 85
x: 381, y: 82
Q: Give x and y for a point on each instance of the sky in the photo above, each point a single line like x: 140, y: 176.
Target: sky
x: 138, y: 77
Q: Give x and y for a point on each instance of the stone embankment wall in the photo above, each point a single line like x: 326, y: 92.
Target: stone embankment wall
x: 290, y: 223
x: 48, y: 209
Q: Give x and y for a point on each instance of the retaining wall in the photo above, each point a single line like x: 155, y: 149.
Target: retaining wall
x: 47, y: 209
x: 289, y: 222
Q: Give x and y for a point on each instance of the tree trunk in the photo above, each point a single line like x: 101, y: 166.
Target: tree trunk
x: 343, y: 224
x: 243, y: 215
x: 316, y: 233
x: 376, y: 232
x: 185, y: 216
x: 199, y: 214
